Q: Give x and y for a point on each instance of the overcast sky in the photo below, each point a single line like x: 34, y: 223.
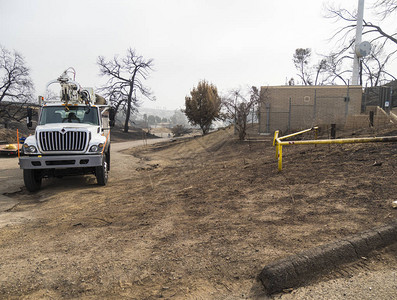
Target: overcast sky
x: 227, y: 42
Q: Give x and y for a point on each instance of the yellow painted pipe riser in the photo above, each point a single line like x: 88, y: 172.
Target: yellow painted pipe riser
x: 275, y: 137
x: 280, y: 157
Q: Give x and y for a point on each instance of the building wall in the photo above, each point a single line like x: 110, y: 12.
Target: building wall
x: 291, y: 108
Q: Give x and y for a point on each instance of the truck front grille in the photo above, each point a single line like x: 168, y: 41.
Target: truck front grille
x: 58, y: 141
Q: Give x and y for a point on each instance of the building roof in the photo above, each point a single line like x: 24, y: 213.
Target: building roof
x: 311, y: 86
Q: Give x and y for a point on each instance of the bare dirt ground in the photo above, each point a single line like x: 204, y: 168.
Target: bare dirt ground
x: 198, y: 219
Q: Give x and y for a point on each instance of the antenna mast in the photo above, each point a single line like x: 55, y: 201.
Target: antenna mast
x: 359, y: 34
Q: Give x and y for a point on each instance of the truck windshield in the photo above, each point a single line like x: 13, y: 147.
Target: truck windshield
x: 72, y: 114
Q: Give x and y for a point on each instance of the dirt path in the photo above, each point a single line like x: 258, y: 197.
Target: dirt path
x: 11, y: 180
x: 193, y: 219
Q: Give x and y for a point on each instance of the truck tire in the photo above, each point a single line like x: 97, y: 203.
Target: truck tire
x: 102, y: 172
x: 32, y: 179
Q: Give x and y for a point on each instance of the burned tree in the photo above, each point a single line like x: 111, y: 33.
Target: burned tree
x: 301, y: 60
x: 124, y: 86
x: 373, y: 31
x: 238, y: 107
x: 373, y: 67
x: 16, y: 87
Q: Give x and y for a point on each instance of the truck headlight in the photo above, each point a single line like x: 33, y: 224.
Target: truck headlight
x: 96, y: 148
x: 29, y: 149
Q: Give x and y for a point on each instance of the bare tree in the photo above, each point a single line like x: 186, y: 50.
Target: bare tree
x: 125, y: 86
x: 238, y: 107
x: 335, y: 70
x: 320, y: 68
x: 372, y: 31
x: 373, y: 67
x: 385, y: 8
x: 16, y: 87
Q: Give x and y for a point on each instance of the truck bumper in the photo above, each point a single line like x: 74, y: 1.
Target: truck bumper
x: 60, y: 162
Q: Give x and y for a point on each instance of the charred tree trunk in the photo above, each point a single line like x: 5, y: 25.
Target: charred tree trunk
x: 129, y: 101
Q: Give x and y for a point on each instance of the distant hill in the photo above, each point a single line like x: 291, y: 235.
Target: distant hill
x: 163, y: 113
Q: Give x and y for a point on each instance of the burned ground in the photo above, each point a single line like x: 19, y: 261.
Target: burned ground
x: 192, y: 218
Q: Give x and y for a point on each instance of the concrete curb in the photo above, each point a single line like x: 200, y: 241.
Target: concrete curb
x: 296, y: 270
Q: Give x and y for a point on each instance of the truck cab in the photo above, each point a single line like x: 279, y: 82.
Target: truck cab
x: 72, y: 136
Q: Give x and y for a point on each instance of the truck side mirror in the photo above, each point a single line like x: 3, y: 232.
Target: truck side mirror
x: 29, y: 117
x: 112, y: 116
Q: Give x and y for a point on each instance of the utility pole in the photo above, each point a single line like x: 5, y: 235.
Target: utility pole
x: 359, y: 34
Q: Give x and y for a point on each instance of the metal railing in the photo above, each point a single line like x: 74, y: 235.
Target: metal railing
x: 279, y: 143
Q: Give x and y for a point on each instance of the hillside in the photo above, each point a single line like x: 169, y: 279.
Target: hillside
x: 194, y: 218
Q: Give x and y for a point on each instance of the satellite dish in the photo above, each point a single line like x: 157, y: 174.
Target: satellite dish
x: 363, y: 49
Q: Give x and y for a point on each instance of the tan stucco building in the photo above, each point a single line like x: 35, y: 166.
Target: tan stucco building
x: 291, y: 108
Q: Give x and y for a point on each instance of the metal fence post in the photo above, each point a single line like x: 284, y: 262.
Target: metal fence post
x: 347, y: 99
x: 289, y: 115
x: 268, y: 117
x: 387, y: 100
x: 333, y: 131
x: 314, y: 106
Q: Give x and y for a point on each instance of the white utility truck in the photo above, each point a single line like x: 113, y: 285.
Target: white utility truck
x: 72, y: 135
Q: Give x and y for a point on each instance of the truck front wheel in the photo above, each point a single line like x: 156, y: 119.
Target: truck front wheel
x: 102, y: 172
x: 32, y: 179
